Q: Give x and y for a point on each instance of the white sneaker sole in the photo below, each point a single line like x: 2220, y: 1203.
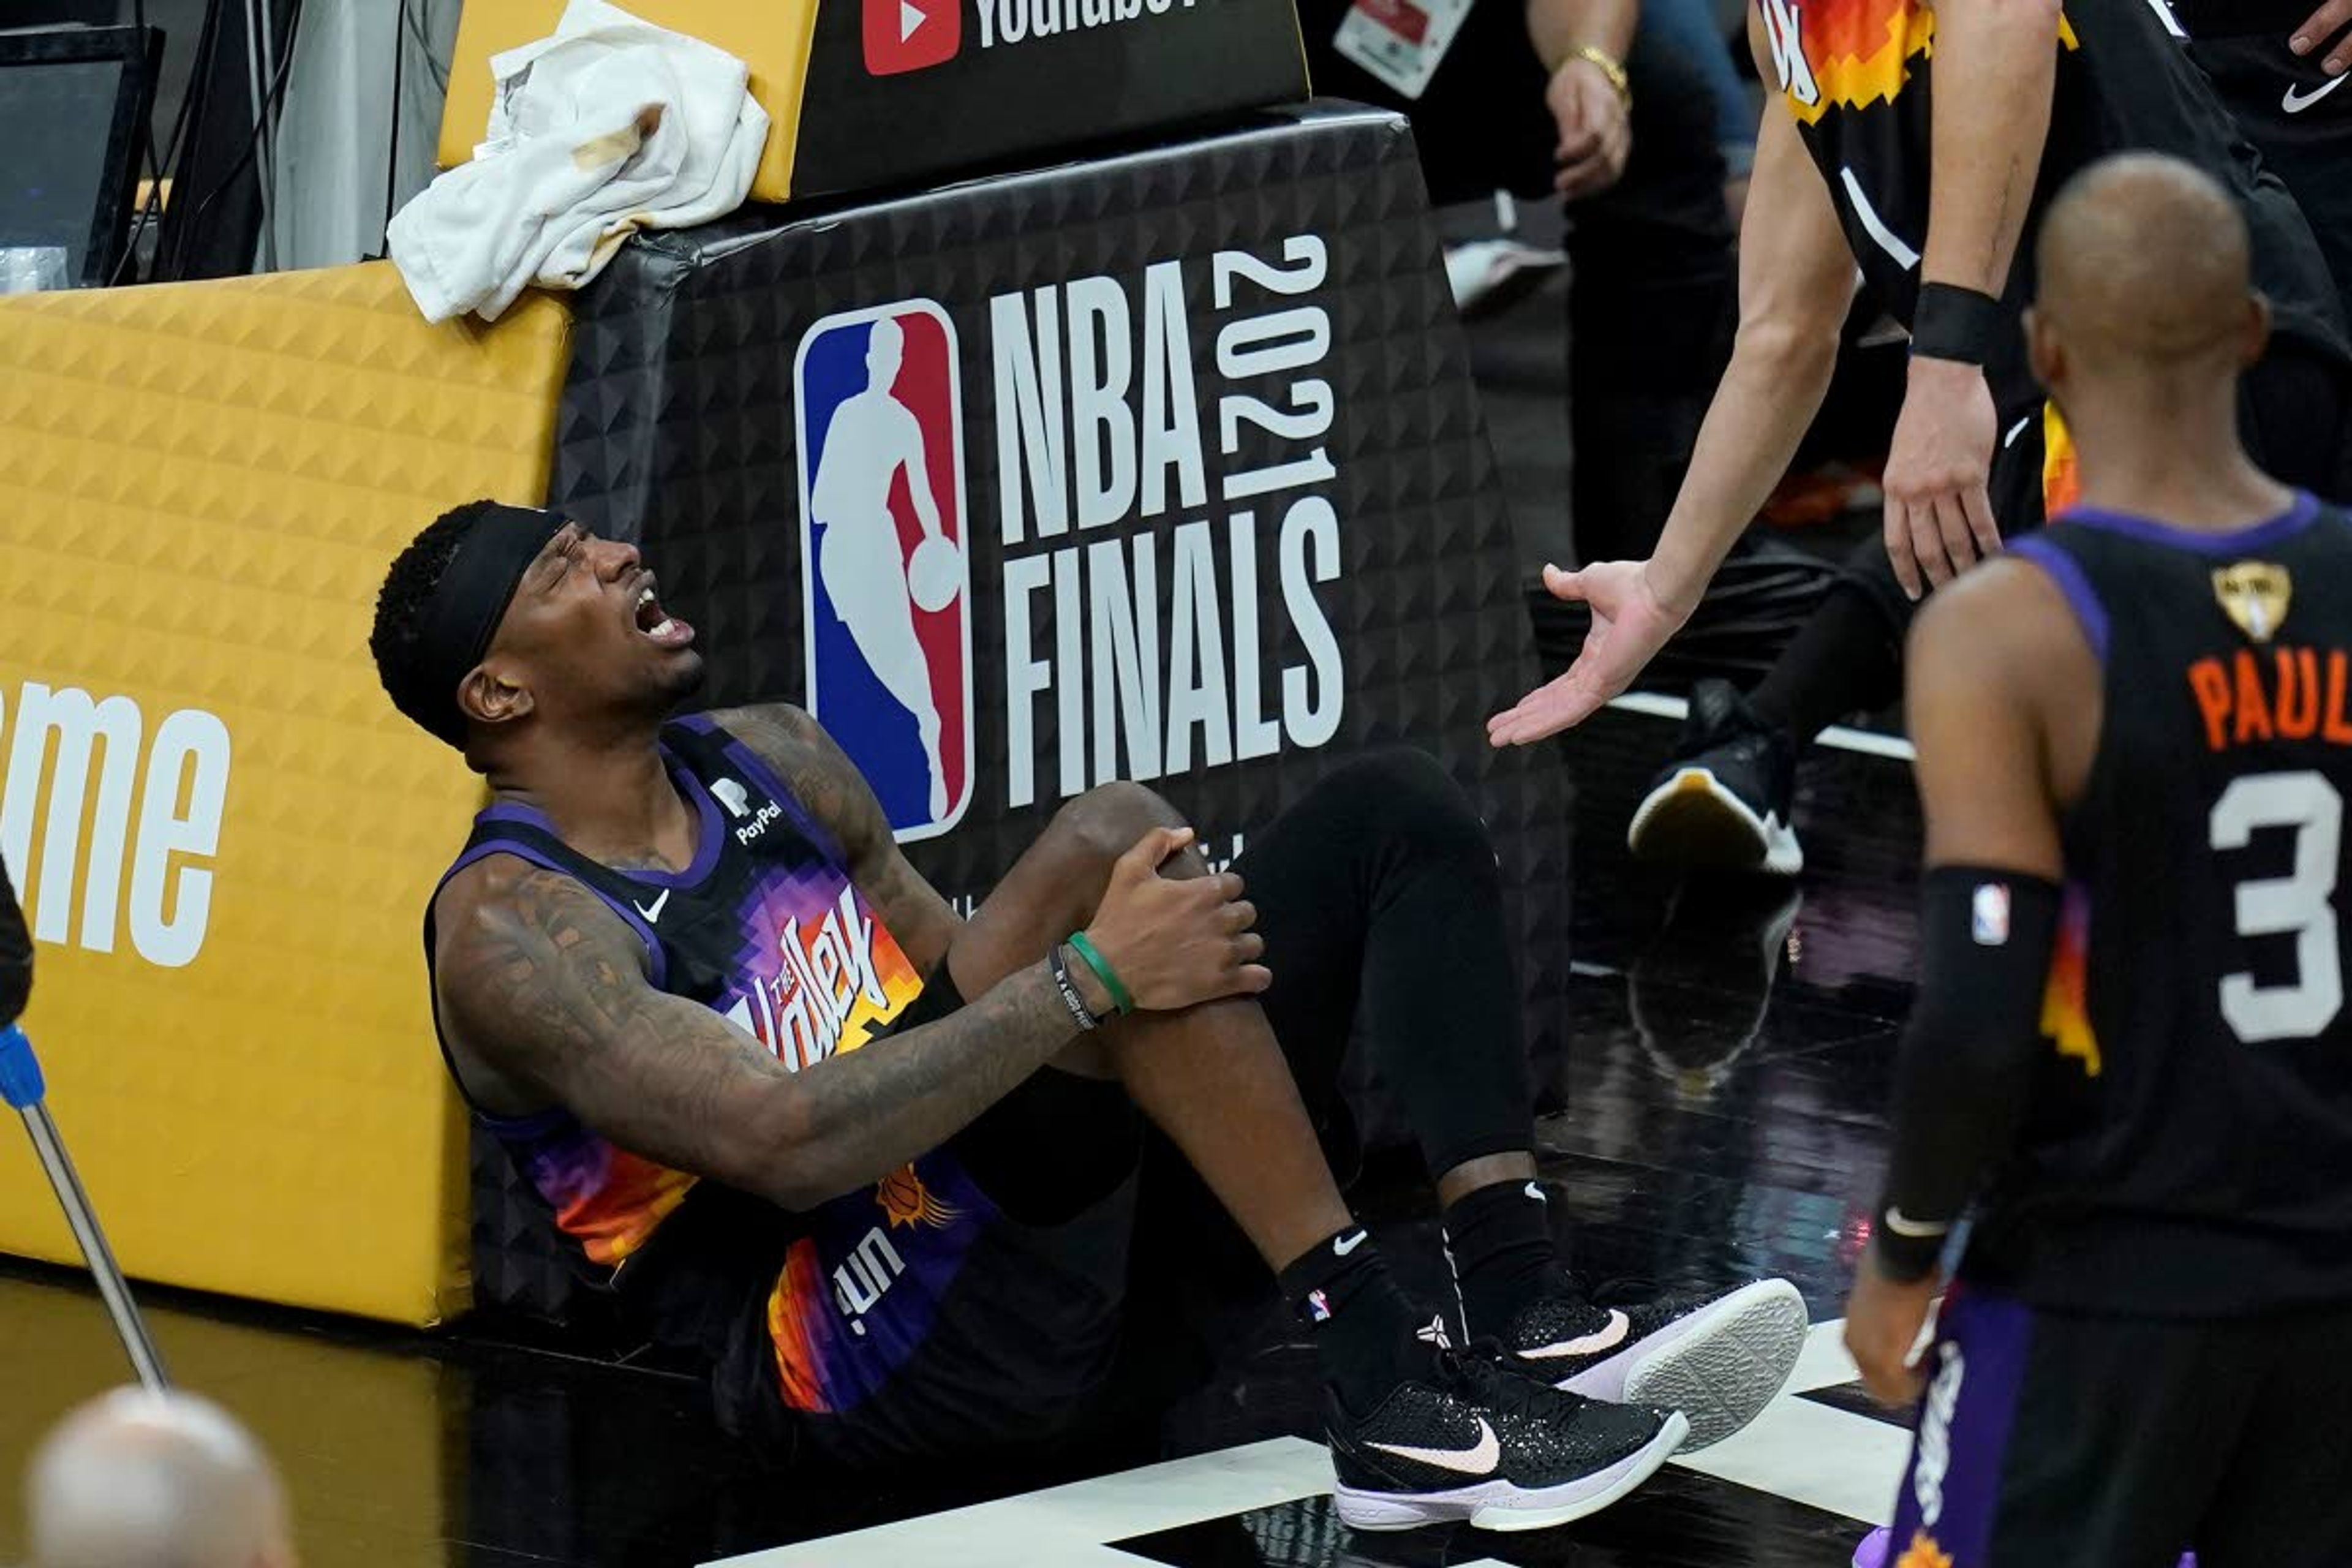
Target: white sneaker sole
x: 1693, y: 820
x: 1505, y: 1506
x: 1720, y: 1366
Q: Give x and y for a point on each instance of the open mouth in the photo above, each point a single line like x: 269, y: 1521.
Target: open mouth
x: 658, y: 624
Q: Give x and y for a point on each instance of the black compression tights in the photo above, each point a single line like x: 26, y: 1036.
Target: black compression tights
x: 1379, y: 888
x: 1378, y: 896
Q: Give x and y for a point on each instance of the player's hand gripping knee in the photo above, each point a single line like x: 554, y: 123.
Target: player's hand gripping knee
x: 1938, y: 518
x: 1177, y: 942
x: 2328, y: 28
x: 1630, y: 622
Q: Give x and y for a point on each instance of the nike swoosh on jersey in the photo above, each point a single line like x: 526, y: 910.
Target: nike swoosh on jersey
x: 653, y: 911
x: 1479, y: 1459
x: 1917, y: 1230
x: 2296, y: 101
x: 1607, y: 1339
x: 1344, y: 1245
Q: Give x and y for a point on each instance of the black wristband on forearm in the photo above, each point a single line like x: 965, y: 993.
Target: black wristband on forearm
x: 1955, y: 323
x: 1080, y: 1014
x: 1907, y: 1255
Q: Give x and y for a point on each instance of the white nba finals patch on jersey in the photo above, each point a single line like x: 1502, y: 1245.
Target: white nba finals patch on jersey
x: 1992, y: 914
x: 2253, y: 593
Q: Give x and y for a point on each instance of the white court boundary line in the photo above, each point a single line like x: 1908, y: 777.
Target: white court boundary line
x: 1808, y: 1452
x: 1838, y: 737
x: 1812, y: 1453
x: 1068, y: 1526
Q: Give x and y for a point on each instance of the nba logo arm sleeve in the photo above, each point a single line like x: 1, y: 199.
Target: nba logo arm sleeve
x: 1996, y: 663
x: 1966, y: 1067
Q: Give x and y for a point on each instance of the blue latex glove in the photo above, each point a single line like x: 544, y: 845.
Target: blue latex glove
x: 20, y: 1070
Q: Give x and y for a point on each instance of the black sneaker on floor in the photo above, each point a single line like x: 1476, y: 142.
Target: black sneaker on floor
x: 1480, y: 1442
x: 1724, y: 802
x: 1718, y: 1360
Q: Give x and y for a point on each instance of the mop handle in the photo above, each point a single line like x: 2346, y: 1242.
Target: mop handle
x: 21, y: 1086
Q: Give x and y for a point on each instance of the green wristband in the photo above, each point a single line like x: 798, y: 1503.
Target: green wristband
x: 1120, y: 997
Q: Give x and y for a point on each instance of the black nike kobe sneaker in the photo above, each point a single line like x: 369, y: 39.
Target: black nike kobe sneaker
x: 1475, y: 1440
x: 1718, y: 1360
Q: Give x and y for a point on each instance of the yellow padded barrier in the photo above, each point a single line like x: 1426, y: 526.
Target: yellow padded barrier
x: 771, y: 36
x: 222, y: 831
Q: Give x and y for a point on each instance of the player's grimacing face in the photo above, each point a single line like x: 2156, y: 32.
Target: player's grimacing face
x: 588, y: 630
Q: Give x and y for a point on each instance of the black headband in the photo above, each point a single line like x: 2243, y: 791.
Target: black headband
x: 468, y: 604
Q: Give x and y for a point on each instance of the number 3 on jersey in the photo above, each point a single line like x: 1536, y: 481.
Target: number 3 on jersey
x: 2298, y: 905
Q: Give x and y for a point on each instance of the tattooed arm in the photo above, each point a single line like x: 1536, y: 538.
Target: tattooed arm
x: 831, y: 789
x: 545, y: 988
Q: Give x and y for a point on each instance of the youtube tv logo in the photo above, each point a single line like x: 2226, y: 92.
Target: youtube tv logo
x: 904, y: 36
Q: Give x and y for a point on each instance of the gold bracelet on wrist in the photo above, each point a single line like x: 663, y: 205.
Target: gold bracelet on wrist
x: 1609, y: 66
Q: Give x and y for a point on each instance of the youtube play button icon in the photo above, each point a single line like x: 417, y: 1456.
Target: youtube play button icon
x: 911, y: 35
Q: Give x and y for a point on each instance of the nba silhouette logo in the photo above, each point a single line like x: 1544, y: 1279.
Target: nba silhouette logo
x: 885, y: 569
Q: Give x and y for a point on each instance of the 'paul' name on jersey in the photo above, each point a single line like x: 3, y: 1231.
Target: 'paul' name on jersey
x: 2272, y: 693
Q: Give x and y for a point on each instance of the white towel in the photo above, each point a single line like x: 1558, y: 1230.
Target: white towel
x: 610, y: 126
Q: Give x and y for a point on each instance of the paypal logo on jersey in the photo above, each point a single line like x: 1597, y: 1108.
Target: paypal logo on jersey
x: 885, y: 569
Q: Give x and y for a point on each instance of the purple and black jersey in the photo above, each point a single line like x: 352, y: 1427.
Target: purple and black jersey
x: 766, y: 929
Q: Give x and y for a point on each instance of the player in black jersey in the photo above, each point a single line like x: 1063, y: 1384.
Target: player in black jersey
x: 1916, y: 145
x: 882, y: 1165
x: 2129, y: 1048
x: 2282, y: 72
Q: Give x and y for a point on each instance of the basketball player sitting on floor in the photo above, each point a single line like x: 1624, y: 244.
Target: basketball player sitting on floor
x: 882, y: 1165
x: 2131, y: 760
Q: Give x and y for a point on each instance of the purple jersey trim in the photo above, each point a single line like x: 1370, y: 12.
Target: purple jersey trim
x: 2254, y: 536
x: 707, y: 838
x: 526, y: 1129
x: 658, y: 962
x: 2067, y: 573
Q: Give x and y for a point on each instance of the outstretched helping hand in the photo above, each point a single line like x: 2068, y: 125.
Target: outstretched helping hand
x: 1630, y: 622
